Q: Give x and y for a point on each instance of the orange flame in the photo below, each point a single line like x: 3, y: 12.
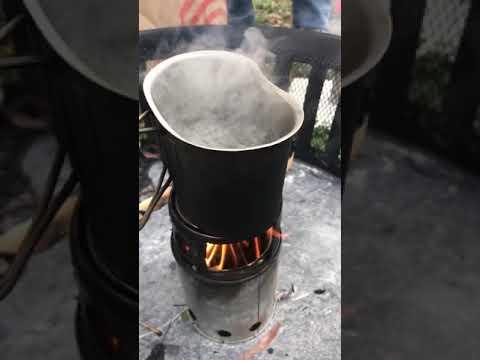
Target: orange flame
x: 219, y: 257
x: 213, y: 251
x: 257, y: 247
x: 222, y: 258
x: 275, y: 233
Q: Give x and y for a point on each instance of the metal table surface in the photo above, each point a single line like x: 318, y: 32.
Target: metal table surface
x: 310, y: 260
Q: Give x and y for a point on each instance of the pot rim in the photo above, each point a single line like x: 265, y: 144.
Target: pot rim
x: 164, y: 65
x: 41, y: 17
x: 378, y: 14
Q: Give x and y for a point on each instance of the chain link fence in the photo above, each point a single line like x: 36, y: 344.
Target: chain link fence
x: 443, y: 26
x: 441, y: 33
x: 430, y: 101
x: 328, y: 103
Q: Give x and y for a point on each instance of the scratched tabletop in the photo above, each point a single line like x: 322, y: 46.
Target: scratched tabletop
x: 310, y: 260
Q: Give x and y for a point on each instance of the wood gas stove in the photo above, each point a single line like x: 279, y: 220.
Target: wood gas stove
x: 229, y: 284
x: 228, y: 176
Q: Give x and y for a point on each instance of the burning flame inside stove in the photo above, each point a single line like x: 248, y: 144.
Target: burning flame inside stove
x: 219, y: 257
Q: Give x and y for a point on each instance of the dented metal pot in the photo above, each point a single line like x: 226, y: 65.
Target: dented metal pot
x: 228, y: 132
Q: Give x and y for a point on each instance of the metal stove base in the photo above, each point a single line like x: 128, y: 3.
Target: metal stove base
x: 231, y: 313
x: 261, y: 330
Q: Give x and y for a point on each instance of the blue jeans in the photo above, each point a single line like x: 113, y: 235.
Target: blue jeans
x: 241, y: 12
x: 314, y: 14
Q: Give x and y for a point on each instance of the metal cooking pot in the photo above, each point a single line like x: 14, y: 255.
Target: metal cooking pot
x: 228, y: 136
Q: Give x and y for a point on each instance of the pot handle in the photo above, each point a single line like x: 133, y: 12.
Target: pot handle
x: 162, y: 192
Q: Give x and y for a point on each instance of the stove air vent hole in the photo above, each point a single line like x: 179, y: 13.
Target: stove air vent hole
x: 192, y: 315
x: 224, y: 333
x: 255, y: 326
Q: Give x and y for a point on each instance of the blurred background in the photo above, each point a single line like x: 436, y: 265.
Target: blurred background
x: 410, y: 223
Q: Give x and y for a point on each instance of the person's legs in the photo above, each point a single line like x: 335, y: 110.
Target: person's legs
x: 313, y: 14
x: 241, y: 12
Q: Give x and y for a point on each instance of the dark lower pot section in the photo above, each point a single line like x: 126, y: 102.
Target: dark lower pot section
x: 98, y: 129
x: 107, y: 315
x: 242, y: 189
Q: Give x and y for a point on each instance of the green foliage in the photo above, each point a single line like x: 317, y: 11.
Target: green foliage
x: 273, y: 12
x: 320, y: 138
x: 431, y: 77
x: 300, y: 70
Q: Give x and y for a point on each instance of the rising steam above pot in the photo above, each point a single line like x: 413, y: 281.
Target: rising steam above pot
x: 220, y: 100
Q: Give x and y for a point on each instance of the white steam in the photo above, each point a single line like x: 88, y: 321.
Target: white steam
x: 220, y: 101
